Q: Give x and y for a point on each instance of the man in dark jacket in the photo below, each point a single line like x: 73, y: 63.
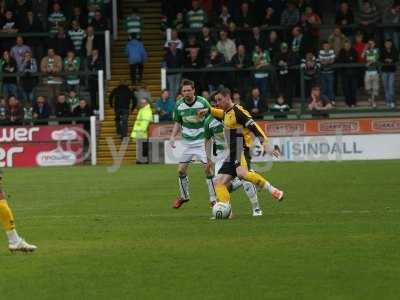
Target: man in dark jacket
x: 173, y: 60
x: 256, y: 104
x: 389, y: 58
x: 348, y: 55
x: 120, y: 99
x: 62, y: 109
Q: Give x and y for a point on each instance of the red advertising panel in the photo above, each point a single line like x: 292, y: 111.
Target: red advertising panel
x: 52, y: 145
x: 309, y: 127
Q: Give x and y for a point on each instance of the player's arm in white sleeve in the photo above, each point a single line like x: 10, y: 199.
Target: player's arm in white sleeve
x: 174, y: 133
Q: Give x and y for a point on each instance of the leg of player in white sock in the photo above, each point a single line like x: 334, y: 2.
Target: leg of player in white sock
x: 235, y: 184
x: 183, y: 181
x: 211, y: 189
x: 251, y: 192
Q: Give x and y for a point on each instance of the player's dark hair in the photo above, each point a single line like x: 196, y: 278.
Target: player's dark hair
x: 187, y: 82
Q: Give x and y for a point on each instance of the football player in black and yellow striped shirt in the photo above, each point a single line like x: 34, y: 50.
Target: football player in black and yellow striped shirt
x: 239, y: 127
x: 15, y: 242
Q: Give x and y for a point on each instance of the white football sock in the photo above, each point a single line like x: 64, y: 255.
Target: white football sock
x: 235, y: 184
x: 211, y: 189
x: 251, y: 193
x: 184, y: 187
x: 268, y: 187
x: 13, y: 237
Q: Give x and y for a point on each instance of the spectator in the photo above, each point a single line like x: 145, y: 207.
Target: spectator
x: 165, y: 106
x: 20, y: 7
x: 175, y: 39
x: 72, y: 64
x: 122, y: 99
x: 39, y: 9
x: 236, y: 97
x: 224, y: 18
x: 257, y: 39
x: 327, y: 59
x: 28, y: 81
x: 272, y: 44
x: 392, y: 17
x: 143, y: 92
x: 371, y: 55
x: 311, y: 21
x: 349, y: 75
x: 94, y: 6
x: 15, y: 112
x: 290, y: 16
x: 241, y: 60
x: 194, y: 61
x: 41, y: 109
x: 271, y: 18
x: 226, y: 46
x: 179, y: 22
x: 140, y: 130
x: 214, y: 60
x: 206, y: 41
x: 91, y: 42
x: 99, y: 23
x: 282, y: 61
x: 61, y: 43
x: 62, y: 109
x: 359, y: 47
x: 299, y: 43
x: 310, y: 64
x: 31, y: 23
x: 73, y: 100
x: 280, y: 107
x: 137, y: 56
x: 19, y: 50
x: 95, y: 64
x: 133, y: 24
x: 51, y: 65
x: 196, y: 18
x: 318, y: 101
x: 344, y: 17
x: 3, y: 110
x: 79, y: 17
x: 261, y: 60
x: 174, y: 60
x: 256, y: 104
x: 389, y: 58
x: 82, y: 110
x: 56, y: 18
x: 368, y: 19
x: 246, y: 18
x: 234, y: 35
x: 337, y: 39
x: 191, y: 44
x: 8, y: 66
x: 8, y: 24
x: 77, y: 36
x: 205, y: 94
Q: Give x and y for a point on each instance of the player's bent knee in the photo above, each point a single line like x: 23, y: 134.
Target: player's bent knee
x: 241, y: 172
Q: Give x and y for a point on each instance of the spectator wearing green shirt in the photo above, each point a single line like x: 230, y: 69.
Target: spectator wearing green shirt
x: 371, y: 79
x: 133, y: 24
x: 72, y: 64
x: 196, y: 18
x: 56, y: 17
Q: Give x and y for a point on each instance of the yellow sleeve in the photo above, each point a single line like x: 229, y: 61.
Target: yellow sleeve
x: 217, y: 113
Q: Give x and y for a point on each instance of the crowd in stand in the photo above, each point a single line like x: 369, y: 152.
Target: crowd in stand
x: 41, y: 42
x: 267, y: 44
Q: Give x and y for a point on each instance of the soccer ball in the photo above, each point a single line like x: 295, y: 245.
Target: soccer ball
x: 221, y: 210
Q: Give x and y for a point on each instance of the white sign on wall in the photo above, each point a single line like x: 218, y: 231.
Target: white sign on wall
x: 321, y: 148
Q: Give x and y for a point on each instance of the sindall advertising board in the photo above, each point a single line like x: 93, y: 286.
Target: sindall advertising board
x: 41, y: 146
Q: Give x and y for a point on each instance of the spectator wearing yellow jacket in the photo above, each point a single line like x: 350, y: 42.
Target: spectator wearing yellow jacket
x: 140, y: 130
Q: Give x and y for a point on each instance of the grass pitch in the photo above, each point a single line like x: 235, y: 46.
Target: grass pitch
x: 114, y: 236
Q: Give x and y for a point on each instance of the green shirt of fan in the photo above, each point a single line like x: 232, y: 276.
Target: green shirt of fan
x: 72, y: 66
x: 133, y: 24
